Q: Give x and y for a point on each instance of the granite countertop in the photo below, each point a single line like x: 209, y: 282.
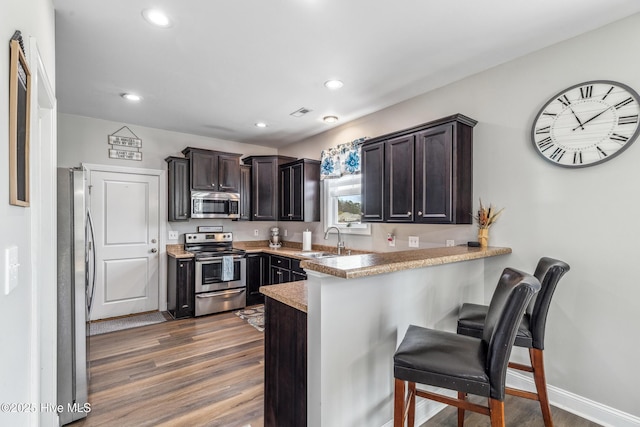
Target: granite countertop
x: 293, y: 294
x: 177, y: 251
x: 354, y: 266
x: 288, y: 249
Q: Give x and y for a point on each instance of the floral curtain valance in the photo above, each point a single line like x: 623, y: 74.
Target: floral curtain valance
x: 341, y: 160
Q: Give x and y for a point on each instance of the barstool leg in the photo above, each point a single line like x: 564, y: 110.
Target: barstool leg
x: 461, y: 396
x: 411, y: 417
x: 537, y: 363
x: 398, y: 404
x: 496, y: 412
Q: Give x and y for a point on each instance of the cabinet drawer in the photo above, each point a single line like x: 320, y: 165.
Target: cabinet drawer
x: 278, y: 261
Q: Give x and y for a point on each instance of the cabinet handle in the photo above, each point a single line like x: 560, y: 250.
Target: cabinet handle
x: 181, y: 265
x: 419, y: 213
x: 409, y: 213
x: 290, y: 215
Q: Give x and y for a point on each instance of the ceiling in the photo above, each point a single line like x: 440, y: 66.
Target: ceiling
x: 224, y: 65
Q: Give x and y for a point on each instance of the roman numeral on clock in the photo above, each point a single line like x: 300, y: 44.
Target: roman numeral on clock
x: 564, y: 100
x: 545, y: 129
x: 545, y: 144
x: 621, y: 104
x: 601, y: 153
x: 627, y: 120
x: 577, y: 157
x: 586, y: 92
x: 616, y: 137
x: 557, y: 154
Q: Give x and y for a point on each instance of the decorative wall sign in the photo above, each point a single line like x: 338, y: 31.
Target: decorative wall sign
x: 124, y: 154
x: 19, y: 114
x: 124, y: 143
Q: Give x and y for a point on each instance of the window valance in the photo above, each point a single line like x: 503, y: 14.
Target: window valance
x: 341, y: 160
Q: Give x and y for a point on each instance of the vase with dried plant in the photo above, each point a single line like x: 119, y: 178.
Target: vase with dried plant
x: 486, y: 217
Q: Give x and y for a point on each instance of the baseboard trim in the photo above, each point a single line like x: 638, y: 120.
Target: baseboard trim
x: 578, y: 405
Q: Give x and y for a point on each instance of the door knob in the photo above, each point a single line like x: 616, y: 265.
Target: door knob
x: 154, y: 250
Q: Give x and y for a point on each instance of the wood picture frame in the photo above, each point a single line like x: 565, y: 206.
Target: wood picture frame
x: 19, y: 122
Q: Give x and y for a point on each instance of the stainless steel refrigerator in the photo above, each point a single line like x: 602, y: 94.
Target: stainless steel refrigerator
x: 76, y: 278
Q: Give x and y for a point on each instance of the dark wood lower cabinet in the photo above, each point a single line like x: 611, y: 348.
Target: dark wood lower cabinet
x: 285, y: 358
x: 180, y: 287
x: 257, y: 275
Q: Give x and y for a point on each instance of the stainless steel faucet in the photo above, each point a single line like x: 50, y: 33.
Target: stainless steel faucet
x: 340, y: 242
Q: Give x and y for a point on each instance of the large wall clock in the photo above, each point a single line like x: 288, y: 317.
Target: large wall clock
x: 587, y: 124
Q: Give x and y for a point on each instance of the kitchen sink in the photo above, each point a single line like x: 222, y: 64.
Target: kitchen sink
x: 318, y: 255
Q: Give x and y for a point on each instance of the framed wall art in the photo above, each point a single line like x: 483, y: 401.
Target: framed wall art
x: 19, y: 113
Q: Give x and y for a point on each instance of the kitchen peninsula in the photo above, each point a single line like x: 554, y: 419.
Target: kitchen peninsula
x: 336, y: 332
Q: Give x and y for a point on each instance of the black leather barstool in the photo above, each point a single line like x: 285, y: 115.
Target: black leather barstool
x: 530, y: 334
x: 465, y: 364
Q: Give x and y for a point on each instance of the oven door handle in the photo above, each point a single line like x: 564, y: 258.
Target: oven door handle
x: 220, y: 294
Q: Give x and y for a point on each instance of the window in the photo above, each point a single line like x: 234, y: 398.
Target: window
x: 342, y: 205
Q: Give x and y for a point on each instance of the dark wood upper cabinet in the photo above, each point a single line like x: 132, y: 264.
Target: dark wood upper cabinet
x: 423, y: 174
x: 399, y: 162
x: 264, y: 185
x: 245, y: 192
x: 179, y: 200
x: 373, y: 188
x: 214, y: 170
x: 300, y: 191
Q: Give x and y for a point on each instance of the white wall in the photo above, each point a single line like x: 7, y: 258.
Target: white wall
x: 585, y: 217
x: 18, y: 374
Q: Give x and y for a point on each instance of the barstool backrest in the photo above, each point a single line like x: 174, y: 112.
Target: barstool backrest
x: 514, y: 291
x: 549, y: 272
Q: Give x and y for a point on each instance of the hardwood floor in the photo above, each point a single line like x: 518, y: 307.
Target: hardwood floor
x: 209, y: 372
x: 192, y: 372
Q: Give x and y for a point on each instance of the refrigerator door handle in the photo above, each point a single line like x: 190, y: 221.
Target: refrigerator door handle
x: 91, y: 247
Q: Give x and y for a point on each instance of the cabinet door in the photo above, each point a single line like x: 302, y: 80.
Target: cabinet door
x: 297, y: 192
x: 203, y: 170
x: 434, y: 157
x: 257, y: 275
x: 399, y: 176
x: 179, y: 202
x: 280, y: 275
x: 228, y: 173
x: 372, y: 157
x: 264, y: 176
x: 286, y: 193
x: 185, y: 303
x: 245, y: 192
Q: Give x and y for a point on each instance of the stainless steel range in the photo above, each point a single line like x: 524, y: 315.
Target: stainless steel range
x: 220, y: 282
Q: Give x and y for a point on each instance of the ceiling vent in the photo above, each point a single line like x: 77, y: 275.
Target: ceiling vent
x: 300, y: 112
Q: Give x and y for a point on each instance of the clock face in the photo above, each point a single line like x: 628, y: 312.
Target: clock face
x: 587, y: 124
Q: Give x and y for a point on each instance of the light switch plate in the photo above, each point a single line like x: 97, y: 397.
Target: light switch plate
x: 173, y: 235
x: 11, y: 269
x: 255, y: 232
x: 450, y: 243
x: 414, y: 242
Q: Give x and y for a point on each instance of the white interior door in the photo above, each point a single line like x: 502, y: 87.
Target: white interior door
x: 125, y: 214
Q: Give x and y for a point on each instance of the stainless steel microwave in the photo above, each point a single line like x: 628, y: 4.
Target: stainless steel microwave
x: 206, y: 204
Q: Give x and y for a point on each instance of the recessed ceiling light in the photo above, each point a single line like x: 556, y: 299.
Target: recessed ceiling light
x: 333, y: 84
x: 261, y: 125
x: 330, y: 119
x: 156, y: 17
x: 131, y: 97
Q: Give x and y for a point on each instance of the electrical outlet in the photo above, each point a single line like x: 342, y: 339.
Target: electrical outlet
x: 173, y: 235
x: 414, y: 241
x: 255, y: 232
x: 391, y: 239
x: 450, y: 243
x: 285, y: 233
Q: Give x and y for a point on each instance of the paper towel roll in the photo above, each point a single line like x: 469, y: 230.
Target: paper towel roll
x: 306, y: 240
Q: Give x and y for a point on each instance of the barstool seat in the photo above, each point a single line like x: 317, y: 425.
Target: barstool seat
x: 461, y: 363
x: 531, y: 331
